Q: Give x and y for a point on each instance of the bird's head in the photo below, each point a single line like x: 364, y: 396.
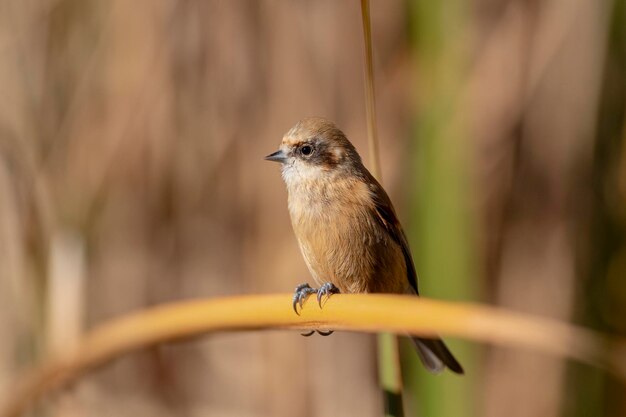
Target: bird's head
x: 315, y: 149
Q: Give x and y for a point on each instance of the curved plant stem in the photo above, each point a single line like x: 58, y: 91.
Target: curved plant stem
x: 354, y: 312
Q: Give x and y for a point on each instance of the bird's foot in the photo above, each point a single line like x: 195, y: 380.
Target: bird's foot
x: 303, y: 291
x: 300, y: 294
x: 327, y: 290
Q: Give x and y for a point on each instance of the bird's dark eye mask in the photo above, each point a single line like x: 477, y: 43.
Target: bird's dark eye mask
x: 318, y: 153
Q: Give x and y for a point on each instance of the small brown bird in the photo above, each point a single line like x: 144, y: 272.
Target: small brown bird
x: 346, y: 226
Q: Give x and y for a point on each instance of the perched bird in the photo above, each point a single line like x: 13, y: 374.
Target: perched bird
x: 346, y: 226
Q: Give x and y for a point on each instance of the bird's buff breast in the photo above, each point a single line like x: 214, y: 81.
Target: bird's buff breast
x: 340, y: 240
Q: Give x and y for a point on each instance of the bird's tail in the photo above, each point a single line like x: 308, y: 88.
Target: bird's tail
x: 436, y: 356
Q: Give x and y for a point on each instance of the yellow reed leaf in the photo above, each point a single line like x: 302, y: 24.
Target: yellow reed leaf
x: 353, y: 312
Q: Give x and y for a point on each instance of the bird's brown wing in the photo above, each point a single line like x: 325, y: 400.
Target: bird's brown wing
x: 432, y: 351
x: 386, y: 216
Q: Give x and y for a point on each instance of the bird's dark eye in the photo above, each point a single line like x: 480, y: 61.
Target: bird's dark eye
x: 306, y: 150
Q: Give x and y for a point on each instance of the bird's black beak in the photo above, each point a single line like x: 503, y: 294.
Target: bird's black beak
x: 278, y: 156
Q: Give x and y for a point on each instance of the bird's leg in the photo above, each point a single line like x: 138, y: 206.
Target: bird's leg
x: 327, y: 290
x: 300, y: 294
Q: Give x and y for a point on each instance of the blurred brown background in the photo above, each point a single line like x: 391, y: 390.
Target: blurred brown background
x: 132, y: 136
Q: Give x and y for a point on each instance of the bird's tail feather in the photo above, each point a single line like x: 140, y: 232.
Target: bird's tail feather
x: 435, y: 355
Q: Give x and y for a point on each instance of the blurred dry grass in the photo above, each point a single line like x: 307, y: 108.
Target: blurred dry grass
x: 131, y: 173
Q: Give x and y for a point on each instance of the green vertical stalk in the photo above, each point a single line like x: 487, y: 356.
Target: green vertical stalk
x: 441, y: 232
x: 592, y: 391
x: 390, y: 377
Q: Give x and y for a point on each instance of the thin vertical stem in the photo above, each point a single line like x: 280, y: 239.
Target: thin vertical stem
x: 388, y: 356
x: 370, y: 98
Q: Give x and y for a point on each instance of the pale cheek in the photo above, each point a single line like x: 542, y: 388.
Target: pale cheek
x: 337, y: 153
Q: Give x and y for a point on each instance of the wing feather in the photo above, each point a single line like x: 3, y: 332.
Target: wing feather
x: 386, y: 216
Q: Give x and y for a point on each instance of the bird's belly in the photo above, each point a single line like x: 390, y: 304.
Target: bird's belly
x: 338, y: 265
x: 355, y: 256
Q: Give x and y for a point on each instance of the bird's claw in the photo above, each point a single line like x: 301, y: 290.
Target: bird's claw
x: 300, y: 294
x: 327, y: 290
x: 302, y: 291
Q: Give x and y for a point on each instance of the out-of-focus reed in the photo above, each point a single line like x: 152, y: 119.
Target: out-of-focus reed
x: 356, y: 312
